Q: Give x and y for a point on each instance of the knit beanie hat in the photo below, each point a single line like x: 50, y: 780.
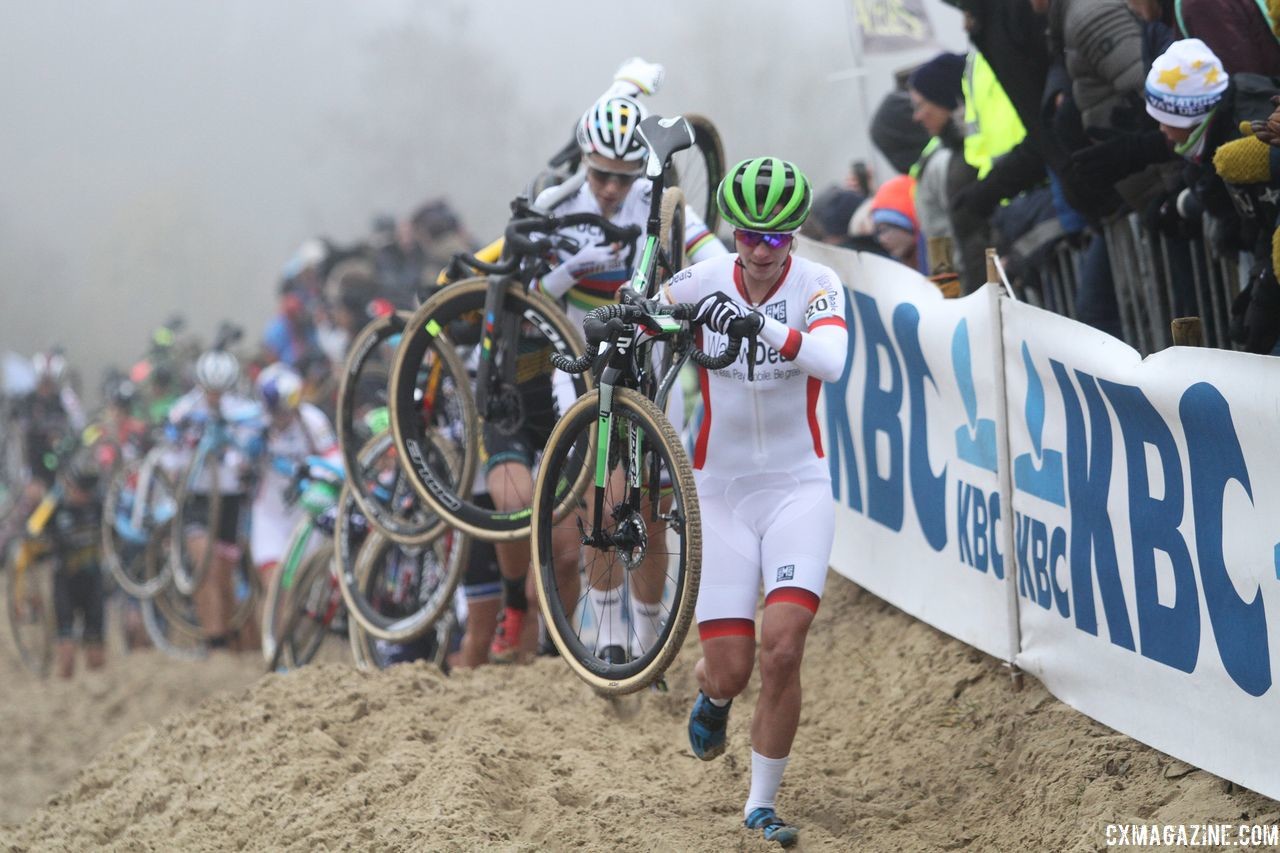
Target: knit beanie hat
x: 938, y: 80
x: 895, y: 134
x: 894, y: 204
x: 1184, y: 84
x: 833, y: 208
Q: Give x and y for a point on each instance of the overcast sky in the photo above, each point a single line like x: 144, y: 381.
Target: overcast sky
x: 162, y: 156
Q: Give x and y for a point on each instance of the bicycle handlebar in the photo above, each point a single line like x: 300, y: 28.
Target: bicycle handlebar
x: 518, y: 230
x: 521, y: 246
x: 605, y: 322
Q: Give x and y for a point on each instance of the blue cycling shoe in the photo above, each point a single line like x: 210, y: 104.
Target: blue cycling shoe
x: 707, y: 727
x: 775, y: 828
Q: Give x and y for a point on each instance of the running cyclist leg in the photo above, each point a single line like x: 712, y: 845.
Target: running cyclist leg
x: 482, y: 587
x: 725, y: 611
x: 510, y: 483
x: 795, y: 547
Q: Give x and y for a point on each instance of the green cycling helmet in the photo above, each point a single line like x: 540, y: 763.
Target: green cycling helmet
x: 765, y: 194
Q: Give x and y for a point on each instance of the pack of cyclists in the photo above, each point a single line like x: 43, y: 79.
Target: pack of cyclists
x: 762, y: 483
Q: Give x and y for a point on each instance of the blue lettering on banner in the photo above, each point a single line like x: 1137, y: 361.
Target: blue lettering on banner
x: 840, y: 455
x: 977, y: 523
x: 880, y: 416
x: 1239, y: 626
x: 1171, y: 634
x: 1088, y: 482
x: 1167, y: 633
x: 1039, y: 555
x: 976, y: 441
x: 1041, y: 474
x: 928, y: 490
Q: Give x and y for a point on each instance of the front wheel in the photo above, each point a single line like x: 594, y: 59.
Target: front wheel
x: 31, y: 614
x: 617, y: 542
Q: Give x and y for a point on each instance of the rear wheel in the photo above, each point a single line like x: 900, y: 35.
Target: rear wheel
x: 644, y: 561
x: 139, y: 499
x: 670, y: 235
x: 314, y: 607
x: 179, y: 610
x: 455, y: 316
x: 196, y: 514
x: 397, y: 592
x: 305, y: 541
x: 444, y: 410
x: 31, y: 614
x: 699, y: 170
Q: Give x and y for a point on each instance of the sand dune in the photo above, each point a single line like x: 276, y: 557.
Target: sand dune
x: 909, y: 741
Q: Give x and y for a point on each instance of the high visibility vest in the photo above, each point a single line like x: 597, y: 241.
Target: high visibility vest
x: 991, y: 124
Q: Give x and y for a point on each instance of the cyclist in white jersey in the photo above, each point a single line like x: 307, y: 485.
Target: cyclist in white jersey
x: 608, y: 185
x: 214, y: 402
x: 763, y: 485
x: 296, y: 430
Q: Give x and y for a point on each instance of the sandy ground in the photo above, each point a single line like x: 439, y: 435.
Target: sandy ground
x: 909, y: 741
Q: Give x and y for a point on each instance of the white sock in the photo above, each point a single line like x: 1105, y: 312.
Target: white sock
x: 646, y: 621
x: 606, y: 609
x: 721, y: 703
x: 766, y: 776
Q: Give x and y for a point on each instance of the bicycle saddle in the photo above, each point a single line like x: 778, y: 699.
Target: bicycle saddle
x: 665, y: 136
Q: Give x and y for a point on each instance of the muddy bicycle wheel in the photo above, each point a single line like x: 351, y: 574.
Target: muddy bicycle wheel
x: 455, y: 315
x: 644, y: 560
x: 445, y: 412
x: 314, y: 606
x: 29, y: 602
x: 398, y: 592
x: 138, y: 499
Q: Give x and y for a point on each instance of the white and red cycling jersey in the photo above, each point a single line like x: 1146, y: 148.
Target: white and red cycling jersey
x: 763, y: 485
x: 309, y: 433
x: 769, y: 423
x: 600, y: 287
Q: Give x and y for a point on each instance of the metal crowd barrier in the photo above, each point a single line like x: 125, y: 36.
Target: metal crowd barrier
x: 1157, y: 279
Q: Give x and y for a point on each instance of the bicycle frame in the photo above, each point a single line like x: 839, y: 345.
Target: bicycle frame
x: 623, y: 364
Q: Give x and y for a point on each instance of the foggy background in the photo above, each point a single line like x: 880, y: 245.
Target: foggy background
x: 160, y: 157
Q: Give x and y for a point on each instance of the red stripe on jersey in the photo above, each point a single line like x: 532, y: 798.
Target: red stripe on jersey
x: 704, y: 431
x: 713, y: 628
x: 790, y: 595
x: 815, y: 386
x: 742, y: 288
x: 791, y: 348
x: 829, y: 321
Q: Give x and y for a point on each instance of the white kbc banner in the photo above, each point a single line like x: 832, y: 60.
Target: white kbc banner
x: 1032, y: 487
x: 913, y: 435
x: 1146, y: 517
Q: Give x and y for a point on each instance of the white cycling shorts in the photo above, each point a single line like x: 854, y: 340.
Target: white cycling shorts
x: 774, y: 528
x: 272, y: 525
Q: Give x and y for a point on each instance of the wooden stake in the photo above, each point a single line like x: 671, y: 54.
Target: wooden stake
x: 1187, y: 332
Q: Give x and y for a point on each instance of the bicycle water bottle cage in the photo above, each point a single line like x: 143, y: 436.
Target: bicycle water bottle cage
x: 664, y: 137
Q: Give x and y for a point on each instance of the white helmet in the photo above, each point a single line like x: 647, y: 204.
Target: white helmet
x: 51, y: 366
x: 609, y: 129
x: 280, y: 387
x: 217, y: 370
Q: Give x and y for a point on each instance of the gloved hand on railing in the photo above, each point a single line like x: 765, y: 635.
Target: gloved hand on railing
x: 1164, y: 216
